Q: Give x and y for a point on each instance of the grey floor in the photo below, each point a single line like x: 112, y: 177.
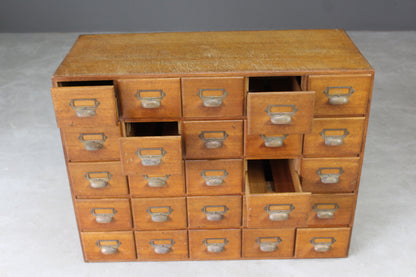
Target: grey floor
x: 38, y: 235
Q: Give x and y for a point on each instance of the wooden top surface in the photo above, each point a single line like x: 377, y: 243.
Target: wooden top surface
x: 202, y: 53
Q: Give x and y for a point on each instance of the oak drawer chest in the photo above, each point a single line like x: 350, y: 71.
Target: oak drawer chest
x: 214, y: 145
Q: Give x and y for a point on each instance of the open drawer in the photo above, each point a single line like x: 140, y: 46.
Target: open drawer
x: 274, y: 196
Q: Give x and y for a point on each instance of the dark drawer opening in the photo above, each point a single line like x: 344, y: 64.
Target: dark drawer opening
x: 86, y: 83
x: 275, y: 84
x: 151, y: 129
x: 271, y: 176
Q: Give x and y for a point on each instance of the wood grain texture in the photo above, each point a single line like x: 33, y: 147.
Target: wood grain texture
x: 193, y: 53
x: 126, y: 250
x: 198, y: 250
x: 343, y: 215
x: 232, y: 104
x: 87, y: 221
x: 312, y: 182
x: 116, y: 186
x: 101, y: 99
x: 232, y: 183
x: 251, y: 247
x: 305, y: 249
x: 146, y: 252
x: 198, y: 219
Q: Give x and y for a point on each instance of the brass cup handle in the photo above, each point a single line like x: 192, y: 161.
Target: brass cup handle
x: 84, y: 110
x: 213, y: 142
x: 156, y: 182
x: 322, y: 244
x: 281, y: 213
x: 213, y: 246
x: 325, y: 212
x: 109, y: 247
x: 338, y: 98
x: 281, y: 118
x: 150, y: 102
x: 268, y: 244
x: 334, y: 140
x: 103, y: 217
x: 212, y: 101
x: 162, y: 248
x: 273, y: 141
x: 216, y: 215
x: 151, y: 160
x: 330, y: 178
x: 213, y: 181
x: 93, y: 144
x: 98, y: 183
x: 159, y: 216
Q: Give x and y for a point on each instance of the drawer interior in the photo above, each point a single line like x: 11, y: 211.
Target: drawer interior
x: 275, y: 83
x: 150, y: 129
x: 86, y: 83
x: 272, y: 176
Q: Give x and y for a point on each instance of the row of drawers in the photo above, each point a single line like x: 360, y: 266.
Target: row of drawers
x: 216, y: 244
x: 343, y: 95
x: 195, y: 212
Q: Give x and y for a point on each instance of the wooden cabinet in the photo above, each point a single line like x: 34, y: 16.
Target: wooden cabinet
x: 214, y: 146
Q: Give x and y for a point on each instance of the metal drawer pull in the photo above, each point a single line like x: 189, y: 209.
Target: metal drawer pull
x: 84, y: 107
x: 150, y: 102
x: 159, y: 214
x: 334, y: 140
x: 215, y: 212
x: 103, y: 215
x: 98, y: 182
x: 212, y: 101
x: 325, y: 210
x: 330, y: 178
x: 93, y: 142
x: 213, y: 142
x: 279, y: 212
x: 273, y: 141
x: 281, y: 117
x: 162, y: 246
x: 156, y: 182
x: 108, y: 247
x: 338, y: 98
x: 151, y: 159
x: 215, y: 245
x: 213, y: 181
x: 322, y: 244
x: 268, y: 244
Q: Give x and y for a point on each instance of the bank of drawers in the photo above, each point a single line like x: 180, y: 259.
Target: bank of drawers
x: 179, y: 168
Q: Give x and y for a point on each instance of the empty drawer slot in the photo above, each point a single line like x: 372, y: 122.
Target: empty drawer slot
x: 280, y: 83
x: 150, y: 129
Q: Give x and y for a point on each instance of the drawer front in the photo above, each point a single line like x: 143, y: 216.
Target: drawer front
x: 85, y: 106
x: 91, y: 144
x: 151, y: 155
x: 331, y: 209
x: 214, y: 177
x: 329, y: 175
x: 340, y: 94
x: 215, y: 244
x: 150, y: 98
x: 162, y: 245
x: 276, y: 146
x: 157, y: 185
x: 159, y: 213
x: 103, y: 214
x: 277, y: 210
x: 214, y: 211
x: 108, y: 246
x: 268, y: 243
x: 213, y: 139
x: 335, y: 137
x: 322, y: 242
x: 103, y: 179
x: 213, y: 97
x: 270, y: 113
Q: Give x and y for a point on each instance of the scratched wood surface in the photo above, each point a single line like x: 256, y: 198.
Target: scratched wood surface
x: 196, y: 53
